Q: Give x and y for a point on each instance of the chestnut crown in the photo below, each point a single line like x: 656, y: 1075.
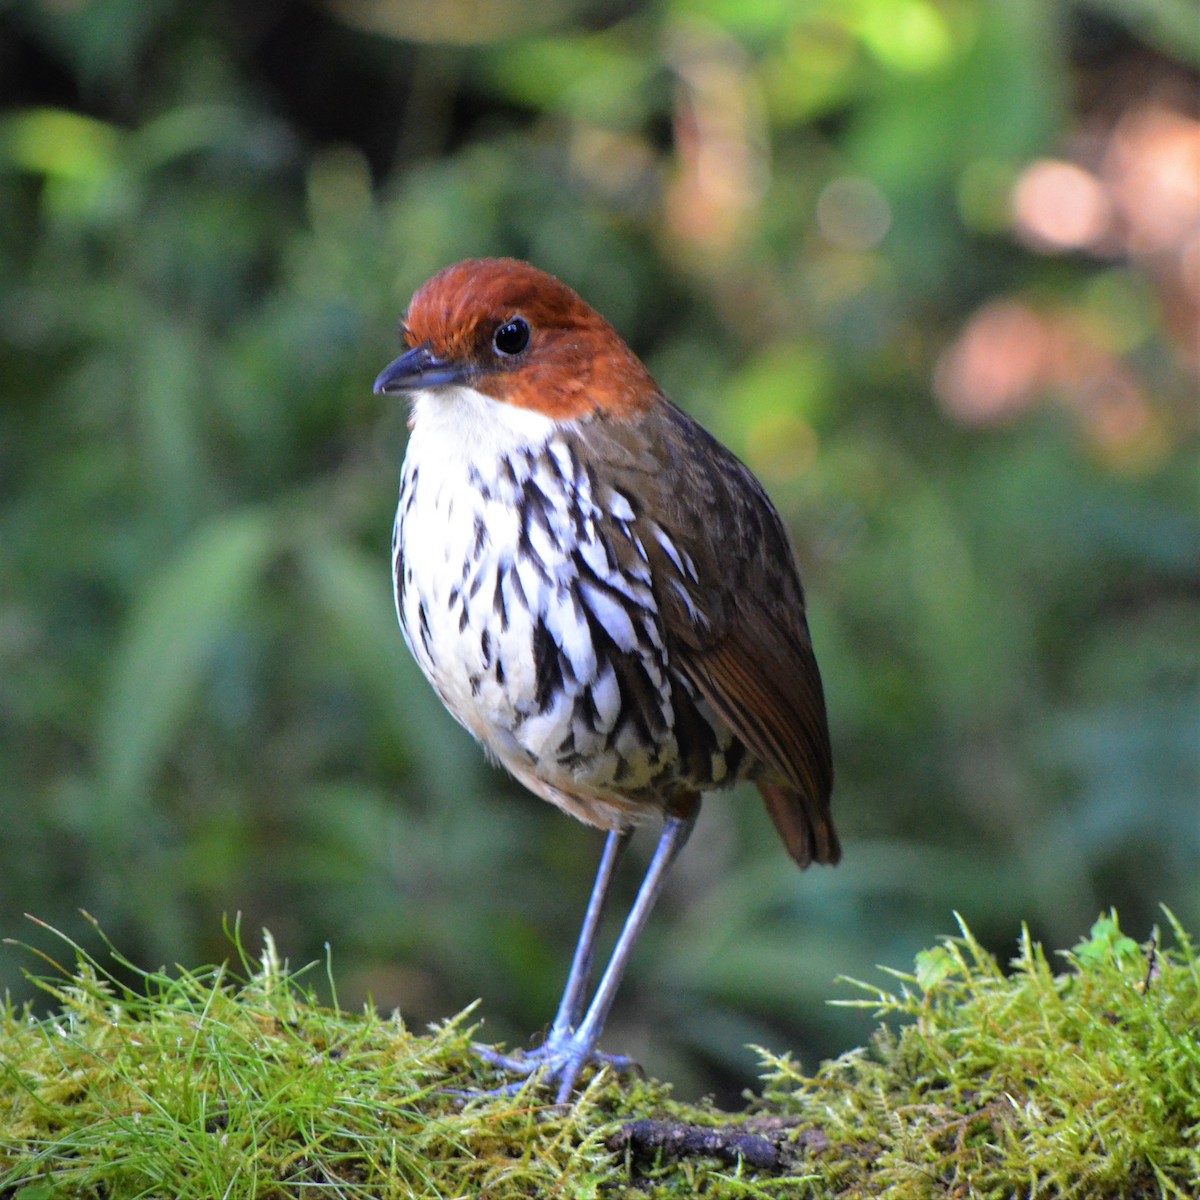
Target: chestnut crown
x: 522, y: 337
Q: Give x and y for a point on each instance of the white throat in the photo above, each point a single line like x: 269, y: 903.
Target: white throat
x: 461, y: 424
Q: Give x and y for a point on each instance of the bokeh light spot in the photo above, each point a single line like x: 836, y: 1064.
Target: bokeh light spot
x: 1060, y: 206
x: 853, y: 214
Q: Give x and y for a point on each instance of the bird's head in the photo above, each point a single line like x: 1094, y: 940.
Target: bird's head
x: 503, y: 328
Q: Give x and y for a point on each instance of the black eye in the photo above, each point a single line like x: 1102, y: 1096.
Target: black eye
x: 512, y: 337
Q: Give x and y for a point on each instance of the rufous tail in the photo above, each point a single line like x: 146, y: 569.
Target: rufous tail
x: 804, y: 825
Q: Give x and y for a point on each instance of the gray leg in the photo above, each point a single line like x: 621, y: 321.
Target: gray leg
x: 574, y: 997
x: 571, y: 1043
x: 582, y: 1044
x: 570, y: 1008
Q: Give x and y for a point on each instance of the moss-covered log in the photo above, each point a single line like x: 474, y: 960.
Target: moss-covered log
x: 234, y: 1082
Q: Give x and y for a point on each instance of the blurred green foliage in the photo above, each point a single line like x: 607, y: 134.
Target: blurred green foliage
x: 820, y: 223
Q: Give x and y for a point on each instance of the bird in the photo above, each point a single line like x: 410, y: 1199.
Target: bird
x: 600, y: 592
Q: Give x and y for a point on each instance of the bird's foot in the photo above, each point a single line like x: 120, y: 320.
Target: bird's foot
x: 558, y: 1062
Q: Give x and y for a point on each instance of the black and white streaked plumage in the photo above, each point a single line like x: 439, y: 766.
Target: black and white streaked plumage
x: 540, y: 628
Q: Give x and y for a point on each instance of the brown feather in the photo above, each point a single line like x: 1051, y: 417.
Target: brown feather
x: 809, y: 837
x: 737, y: 630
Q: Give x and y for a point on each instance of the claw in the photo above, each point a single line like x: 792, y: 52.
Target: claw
x: 557, y: 1063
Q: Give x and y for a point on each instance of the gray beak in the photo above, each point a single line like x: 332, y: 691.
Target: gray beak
x: 420, y: 368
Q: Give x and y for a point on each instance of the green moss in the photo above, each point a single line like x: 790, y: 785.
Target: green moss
x: 1085, y: 1083
x: 236, y: 1083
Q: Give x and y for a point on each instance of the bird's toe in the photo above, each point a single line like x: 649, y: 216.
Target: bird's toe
x: 558, y: 1063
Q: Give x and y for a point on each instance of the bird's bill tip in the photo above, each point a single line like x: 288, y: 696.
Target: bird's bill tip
x: 415, y: 370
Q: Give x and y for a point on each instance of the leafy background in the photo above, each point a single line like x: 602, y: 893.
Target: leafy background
x: 932, y: 267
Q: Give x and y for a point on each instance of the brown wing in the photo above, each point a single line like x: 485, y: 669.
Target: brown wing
x: 733, y: 610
